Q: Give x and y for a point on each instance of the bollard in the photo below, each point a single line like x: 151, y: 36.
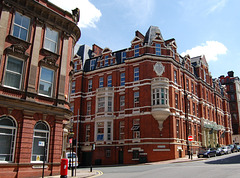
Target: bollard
x: 64, y: 168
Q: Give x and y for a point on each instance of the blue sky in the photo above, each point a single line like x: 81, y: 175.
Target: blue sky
x: 209, y: 27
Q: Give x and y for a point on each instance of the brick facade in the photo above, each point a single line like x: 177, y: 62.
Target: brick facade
x: 36, y: 44
x: 140, y: 103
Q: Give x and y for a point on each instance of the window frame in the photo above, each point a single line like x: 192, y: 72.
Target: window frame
x: 89, y: 107
x: 13, y: 138
x: 109, y: 78
x: 136, y: 50
x: 136, y: 129
x: 136, y: 96
x: 121, y: 130
x: 122, y: 102
x: 158, y: 49
x: 88, y: 133
x: 92, y: 64
x: 101, y: 82
x: 124, y: 56
x: 122, y: 79
x: 160, y: 96
x: 136, y: 73
x: 53, y: 82
x: 90, y: 85
x: 51, y: 40
x: 14, y: 72
x: 48, y: 140
x: 21, y: 27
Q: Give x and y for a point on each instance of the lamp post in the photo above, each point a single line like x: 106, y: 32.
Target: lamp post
x: 71, y: 134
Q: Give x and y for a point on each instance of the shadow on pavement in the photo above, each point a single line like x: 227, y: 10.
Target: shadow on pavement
x: 230, y: 160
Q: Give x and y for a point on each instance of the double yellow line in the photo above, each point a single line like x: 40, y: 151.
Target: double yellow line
x: 99, y: 173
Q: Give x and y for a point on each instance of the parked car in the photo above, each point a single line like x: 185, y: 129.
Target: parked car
x: 71, y: 159
x: 233, y: 148
x: 238, y: 147
x: 208, y: 152
x: 219, y: 151
x: 226, y: 149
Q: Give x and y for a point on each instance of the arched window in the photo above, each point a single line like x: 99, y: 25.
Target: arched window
x: 40, y: 141
x: 8, y: 131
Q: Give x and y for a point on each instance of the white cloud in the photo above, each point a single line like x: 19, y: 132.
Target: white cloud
x: 89, y: 14
x: 219, y: 5
x: 211, y: 50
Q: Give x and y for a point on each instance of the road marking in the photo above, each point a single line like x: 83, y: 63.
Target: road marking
x: 99, y: 173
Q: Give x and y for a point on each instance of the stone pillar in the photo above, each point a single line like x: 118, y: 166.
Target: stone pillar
x: 35, y: 58
x: 3, y: 32
x: 64, y: 69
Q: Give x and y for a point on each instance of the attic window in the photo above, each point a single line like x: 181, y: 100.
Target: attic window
x: 158, y: 49
x: 136, y: 50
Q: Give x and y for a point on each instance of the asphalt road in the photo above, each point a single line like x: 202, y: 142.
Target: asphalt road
x: 226, y: 166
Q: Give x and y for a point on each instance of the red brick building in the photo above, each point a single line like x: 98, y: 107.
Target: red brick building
x: 232, y: 84
x: 36, y: 46
x: 141, y: 103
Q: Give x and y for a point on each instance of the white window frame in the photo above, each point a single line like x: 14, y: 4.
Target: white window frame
x: 136, y: 73
x: 110, y: 104
x: 46, y: 139
x: 92, y: 64
x: 136, y: 50
x: 106, y: 128
x: 73, y: 86
x: 100, y: 126
x: 121, y: 130
x: 88, y: 131
x: 21, y: 27
x: 106, y: 62
x: 159, y: 96
x: 101, y: 104
x: 175, y: 76
x: 124, y: 56
x: 136, y: 128
x: 122, y: 102
x: 12, y: 145
x: 51, y: 83
x: 55, y: 43
x: 11, y: 72
x: 101, y: 82
x: 89, y: 85
x: 89, y: 107
x: 122, y: 79
x: 136, y: 99
x: 109, y: 81
x: 158, y: 49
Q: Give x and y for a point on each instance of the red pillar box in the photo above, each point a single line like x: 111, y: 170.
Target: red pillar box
x: 64, y: 168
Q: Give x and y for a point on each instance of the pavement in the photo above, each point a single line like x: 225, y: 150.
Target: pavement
x: 85, y: 172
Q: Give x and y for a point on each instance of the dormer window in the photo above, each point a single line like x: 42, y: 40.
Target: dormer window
x: 158, y: 49
x: 124, y: 56
x: 92, y: 64
x: 136, y: 50
x: 106, y: 61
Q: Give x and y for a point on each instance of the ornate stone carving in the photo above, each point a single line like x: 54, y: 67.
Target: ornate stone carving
x: 159, y: 68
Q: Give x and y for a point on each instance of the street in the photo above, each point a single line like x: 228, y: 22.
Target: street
x: 221, y: 166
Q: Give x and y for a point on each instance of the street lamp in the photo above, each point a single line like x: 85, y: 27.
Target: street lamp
x: 71, y: 134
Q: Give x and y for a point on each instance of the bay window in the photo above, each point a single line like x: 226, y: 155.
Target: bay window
x: 104, y: 131
x: 160, y: 96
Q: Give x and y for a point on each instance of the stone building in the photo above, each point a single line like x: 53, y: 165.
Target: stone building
x: 141, y: 103
x: 36, y: 46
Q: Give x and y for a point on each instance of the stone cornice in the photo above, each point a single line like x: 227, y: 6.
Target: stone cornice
x: 45, y: 14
